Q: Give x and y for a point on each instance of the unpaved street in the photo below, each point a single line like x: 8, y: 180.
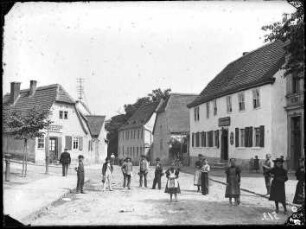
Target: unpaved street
x: 144, y: 206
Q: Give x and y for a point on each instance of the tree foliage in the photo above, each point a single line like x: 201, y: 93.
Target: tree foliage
x: 291, y: 30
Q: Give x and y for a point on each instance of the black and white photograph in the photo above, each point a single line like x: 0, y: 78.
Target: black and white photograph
x: 153, y: 113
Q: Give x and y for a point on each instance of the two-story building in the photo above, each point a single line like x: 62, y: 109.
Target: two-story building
x: 240, y: 113
x: 172, y: 125
x: 71, y: 128
x: 135, y: 137
x: 295, y: 112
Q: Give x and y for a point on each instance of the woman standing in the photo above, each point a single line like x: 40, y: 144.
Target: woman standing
x: 204, y: 176
x: 197, y: 174
x: 107, y: 170
x: 299, y: 197
x: 233, y: 182
x: 172, y: 186
x: 278, y: 184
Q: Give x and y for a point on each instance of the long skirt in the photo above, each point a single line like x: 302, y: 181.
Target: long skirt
x: 278, y: 191
x: 197, y: 178
x: 233, y: 189
x: 204, y: 183
x: 172, y: 186
x: 299, y: 197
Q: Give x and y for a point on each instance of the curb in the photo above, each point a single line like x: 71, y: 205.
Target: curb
x: 36, y: 214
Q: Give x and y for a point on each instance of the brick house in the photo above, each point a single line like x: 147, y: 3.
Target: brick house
x: 172, y: 122
x: 72, y: 127
x: 241, y: 112
x: 135, y: 137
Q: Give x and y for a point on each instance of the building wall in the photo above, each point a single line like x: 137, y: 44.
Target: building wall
x: 241, y: 119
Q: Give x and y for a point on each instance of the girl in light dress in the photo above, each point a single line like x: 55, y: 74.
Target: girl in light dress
x: 172, y: 186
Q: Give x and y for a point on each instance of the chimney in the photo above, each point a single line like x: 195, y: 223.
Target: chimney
x: 244, y: 53
x: 33, y: 85
x: 15, y: 91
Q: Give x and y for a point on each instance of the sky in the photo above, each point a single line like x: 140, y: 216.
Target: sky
x: 124, y: 50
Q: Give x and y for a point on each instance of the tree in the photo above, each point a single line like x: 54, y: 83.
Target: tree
x: 291, y: 30
x: 158, y: 94
x: 24, y: 126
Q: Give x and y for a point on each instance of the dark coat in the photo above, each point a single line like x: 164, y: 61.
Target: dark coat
x: 65, y: 158
x: 233, y: 179
x: 299, y: 197
x: 278, y: 184
x: 158, y: 170
x: 104, y: 167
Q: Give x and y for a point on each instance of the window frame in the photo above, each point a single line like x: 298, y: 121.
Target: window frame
x: 75, y: 143
x: 65, y: 114
x: 39, y: 143
x: 256, y: 98
x: 215, y: 107
x: 241, y: 101
x: 229, y: 107
x: 61, y: 114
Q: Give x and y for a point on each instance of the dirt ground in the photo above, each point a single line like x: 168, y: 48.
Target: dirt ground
x: 144, y: 206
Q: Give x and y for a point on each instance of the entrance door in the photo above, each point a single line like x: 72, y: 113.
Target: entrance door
x: 53, y: 149
x: 296, y: 140
x: 224, y: 144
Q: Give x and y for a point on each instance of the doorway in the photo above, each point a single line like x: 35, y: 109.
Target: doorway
x: 296, y: 151
x: 224, y: 144
x: 53, y: 149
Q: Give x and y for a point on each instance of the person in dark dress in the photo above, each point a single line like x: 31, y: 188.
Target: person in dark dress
x: 65, y: 160
x: 204, y: 176
x: 197, y: 174
x: 278, y: 184
x: 158, y: 174
x: 233, y: 182
x: 299, y: 197
x: 81, y: 175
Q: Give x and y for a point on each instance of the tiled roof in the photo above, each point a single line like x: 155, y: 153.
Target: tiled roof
x: 95, y: 123
x: 43, y: 97
x: 256, y: 68
x: 141, y: 116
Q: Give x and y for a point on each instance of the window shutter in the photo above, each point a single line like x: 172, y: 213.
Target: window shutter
x: 81, y: 143
x: 262, y: 136
x: 217, y: 138
x: 192, y: 140
x: 204, y: 139
x: 59, y: 146
x: 246, y: 136
x: 251, y: 136
x: 237, y: 137
x: 68, y: 142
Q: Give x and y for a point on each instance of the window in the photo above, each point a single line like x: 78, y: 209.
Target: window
x: 196, y: 114
x: 41, y: 142
x: 52, y: 144
x: 257, y: 137
x: 61, y: 114
x: 65, y: 114
x: 241, y: 101
x: 229, y: 104
x: 192, y: 141
x: 210, y: 138
x: 217, y: 138
x: 75, y: 143
x: 197, y: 139
x: 295, y: 84
x: 207, y: 110
x: 215, y: 107
x: 256, y: 98
x: 242, y: 138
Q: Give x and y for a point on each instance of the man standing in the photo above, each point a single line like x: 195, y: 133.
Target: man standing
x: 81, y: 175
x: 65, y: 160
x: 266, y: 167
x: 127, y: 169
x: 158, y: 174
x: 143, y: 170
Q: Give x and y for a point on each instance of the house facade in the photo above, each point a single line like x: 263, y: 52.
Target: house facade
x: 135, y: 137
x: 171, y: 129
x: 69, y: 129
x: 295, y: 119
x: 241, y: 112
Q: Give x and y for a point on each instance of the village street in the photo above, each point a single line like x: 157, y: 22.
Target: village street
x: 144, y: 206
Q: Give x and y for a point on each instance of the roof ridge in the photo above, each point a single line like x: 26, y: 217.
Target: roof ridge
x: 38, y: 88
x: 183, y: 94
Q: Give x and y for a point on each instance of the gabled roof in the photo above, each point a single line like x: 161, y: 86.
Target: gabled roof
x: 141, y: 116
x: 95, y: 123
x: 177, y: 113
x: 44, y: 97
x: 254, y: 69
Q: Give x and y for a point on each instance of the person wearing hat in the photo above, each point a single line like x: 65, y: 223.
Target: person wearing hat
x: 266, y: 167
x: 143, y: 170
x: 204, y: 176
x: 65, y: 160
x: 80, y: 174
x: 233, y: 178
x: 299, y: 197
x: 158, y: 174
x: 172, y: 186
x: 280, y: 176
x: 197, y: 174
x: 107, y: 170
x: 127, y: 169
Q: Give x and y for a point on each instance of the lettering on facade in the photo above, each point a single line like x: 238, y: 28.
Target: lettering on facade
x: 55, y: 128
x: 226, y: 121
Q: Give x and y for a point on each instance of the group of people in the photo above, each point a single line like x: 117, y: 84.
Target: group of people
x: 275, y: 178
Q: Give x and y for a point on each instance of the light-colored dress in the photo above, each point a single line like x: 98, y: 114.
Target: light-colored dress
x: 197, y: 174
x: 172, y: 186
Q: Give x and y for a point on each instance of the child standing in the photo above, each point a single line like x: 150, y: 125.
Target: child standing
x: 256, y: 164
x: 107, y: 170
x: 233, y: 182
x: 80, y: 174
x: 158, y: 174
x: 127, y: 169
x: 197, y: 174
x: 172, y: 186
x: 204, y: 176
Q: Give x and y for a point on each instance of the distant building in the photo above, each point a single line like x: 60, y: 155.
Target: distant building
x: 296, y: 121
x: 172, y: 125
x: 240, y: 113
x: 72, y: 128
x: 135, y: 137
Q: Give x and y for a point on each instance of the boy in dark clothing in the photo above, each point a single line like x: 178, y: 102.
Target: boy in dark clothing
x: 158, y: 174
x: 80, y: 174
x: 65, y: 160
